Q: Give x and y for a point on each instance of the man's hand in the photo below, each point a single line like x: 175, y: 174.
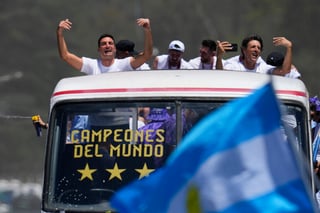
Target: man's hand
x: 222, y: 47
x: 281, y: 41
x: 144, y: 22
x: 64, y: 25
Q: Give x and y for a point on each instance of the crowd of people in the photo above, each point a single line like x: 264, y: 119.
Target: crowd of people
x: 121, y: 56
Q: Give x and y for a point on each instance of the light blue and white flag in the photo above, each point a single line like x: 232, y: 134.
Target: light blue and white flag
x: 222, y: 166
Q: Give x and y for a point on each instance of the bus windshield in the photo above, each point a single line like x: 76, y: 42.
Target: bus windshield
x: 95, y: 148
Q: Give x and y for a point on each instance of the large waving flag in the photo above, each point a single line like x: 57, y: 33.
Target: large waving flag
x: 234, y: 160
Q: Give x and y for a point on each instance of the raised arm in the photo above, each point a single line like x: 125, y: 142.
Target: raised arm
x: 287, y: 62
x: 148, y: 44
x: 70, y: 58
x: 222, y: 46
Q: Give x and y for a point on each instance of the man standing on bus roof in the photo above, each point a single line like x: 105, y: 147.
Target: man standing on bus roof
x: 250, y: 59
x: 107, y: 52
x: 210, y: 55
x: 173, y: 60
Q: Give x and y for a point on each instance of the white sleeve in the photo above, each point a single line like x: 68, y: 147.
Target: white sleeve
x: 88, y: 65
x: 228, y: 65
x: 195, y: 63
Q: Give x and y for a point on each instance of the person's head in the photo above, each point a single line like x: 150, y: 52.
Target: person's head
x: 275, y: 59
x: 315, y: 108
x: 207, y: 50
x: 125, y: 48
x: 315, y: 114
x: 106, y: 46
x: 251, y: 48
x: 175, y: 52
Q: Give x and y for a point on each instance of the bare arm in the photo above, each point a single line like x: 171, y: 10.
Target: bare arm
x: 287, y: 62
x: 221, y: 49
x: 148, y: 44
x: 70, y: 58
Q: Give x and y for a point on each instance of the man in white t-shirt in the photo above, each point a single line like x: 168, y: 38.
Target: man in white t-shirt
x: 250, y: 58
x: 276, y: 59
x: 173, y: 60
x: 107, y: 61
x: 207, y: 59
x: 210, y: 57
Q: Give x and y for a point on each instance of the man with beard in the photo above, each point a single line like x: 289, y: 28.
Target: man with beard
x: 250, y: 58
x: 173, y: 60
x: 107, y: 52
x: 210, y: 57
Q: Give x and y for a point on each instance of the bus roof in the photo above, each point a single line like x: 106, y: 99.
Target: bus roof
x: 175, y: 83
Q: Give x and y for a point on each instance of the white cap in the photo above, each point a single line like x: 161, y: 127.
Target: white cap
x: 176, y: 45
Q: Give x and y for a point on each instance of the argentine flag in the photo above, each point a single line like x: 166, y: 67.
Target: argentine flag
x: 234, y: 160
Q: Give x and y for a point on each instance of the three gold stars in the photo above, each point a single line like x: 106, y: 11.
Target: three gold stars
x: 115, y: 172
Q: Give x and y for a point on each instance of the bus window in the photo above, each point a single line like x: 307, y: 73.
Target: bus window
x: 102, y: 146
x: 296, y: 121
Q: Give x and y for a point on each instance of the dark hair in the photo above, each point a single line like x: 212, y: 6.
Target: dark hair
x: 247, y: 39
x: 209, y: 43
x: 103, y: 36
x: 256, y: 37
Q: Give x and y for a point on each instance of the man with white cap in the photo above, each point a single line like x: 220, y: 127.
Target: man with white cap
x: 173, y: 60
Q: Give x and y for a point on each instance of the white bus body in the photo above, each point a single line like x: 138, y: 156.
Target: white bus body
x: 81, y: 157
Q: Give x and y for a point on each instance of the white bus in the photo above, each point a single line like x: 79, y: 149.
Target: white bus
x: 109, y: 129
